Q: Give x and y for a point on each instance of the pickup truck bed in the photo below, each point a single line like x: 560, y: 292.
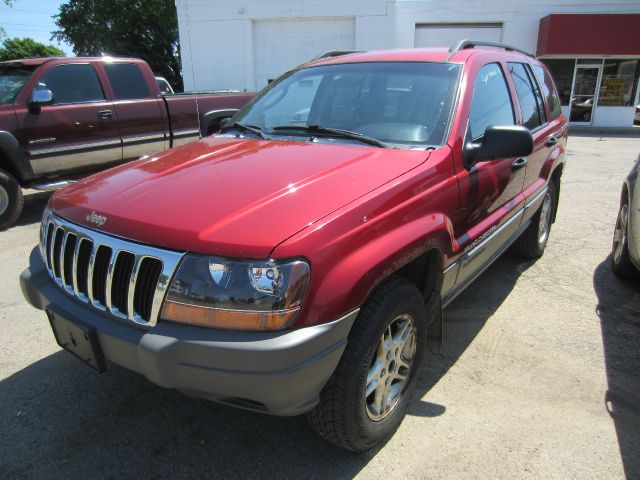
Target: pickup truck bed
x: 64, y: 118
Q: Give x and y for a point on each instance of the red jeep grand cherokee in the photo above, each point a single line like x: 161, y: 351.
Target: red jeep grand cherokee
x: 296, y: 261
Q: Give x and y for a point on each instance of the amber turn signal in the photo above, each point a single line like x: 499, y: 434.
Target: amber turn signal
x: 226, y: 319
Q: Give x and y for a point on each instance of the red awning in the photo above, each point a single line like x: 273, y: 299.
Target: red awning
x: 589, y: 34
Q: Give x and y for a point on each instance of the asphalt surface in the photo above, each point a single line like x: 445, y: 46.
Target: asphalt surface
x: 538, y: 376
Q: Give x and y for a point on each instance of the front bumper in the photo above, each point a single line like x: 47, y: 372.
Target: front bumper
x: 281, y: 373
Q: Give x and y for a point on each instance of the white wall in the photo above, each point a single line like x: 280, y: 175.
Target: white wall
x: 217, y: 36
x: 520, y: 18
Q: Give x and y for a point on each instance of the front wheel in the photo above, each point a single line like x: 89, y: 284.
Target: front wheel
x: 533, y: 241
x: 620, y: 262
x: 11, y: 200
x: 366, y: 399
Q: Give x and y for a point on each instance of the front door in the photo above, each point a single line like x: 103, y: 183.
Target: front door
x: 491, y: 190
x: 78, y: 132
x: 584, y: 93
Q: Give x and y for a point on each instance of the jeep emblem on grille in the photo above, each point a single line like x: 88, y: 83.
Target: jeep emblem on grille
x: 99, y: 220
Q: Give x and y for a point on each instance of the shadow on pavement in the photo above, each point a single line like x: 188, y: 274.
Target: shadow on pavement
x: 619, y: 311
x: 34, y: 204
x: 59, y: 417
x: 468, y: 313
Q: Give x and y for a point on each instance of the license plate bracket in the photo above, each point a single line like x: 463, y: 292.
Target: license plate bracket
x: 77, y: 338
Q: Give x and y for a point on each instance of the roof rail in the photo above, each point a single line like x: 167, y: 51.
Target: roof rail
x: 333, y: 53
x: 464, y: 44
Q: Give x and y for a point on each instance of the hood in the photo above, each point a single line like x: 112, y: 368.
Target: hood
x: 232, y: 197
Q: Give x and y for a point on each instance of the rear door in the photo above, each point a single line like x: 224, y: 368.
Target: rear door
x: 490, y: 190
x: 139, y: 110
x: 79, y: 131
x: 546, y: 135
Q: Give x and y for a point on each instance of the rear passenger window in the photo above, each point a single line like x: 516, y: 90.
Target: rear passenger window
x: 531, y: 106
x: 491, y: 104
x: 544, y: 79
x: 72, y: 83
x: 127, y: 81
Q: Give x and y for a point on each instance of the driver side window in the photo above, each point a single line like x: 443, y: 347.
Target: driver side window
x: 491, y: 104
x: 72, y: 83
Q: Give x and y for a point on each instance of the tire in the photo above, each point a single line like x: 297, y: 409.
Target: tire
x: 620, y: 261
x: 346, y: 416
x: 533, y: 240
x: 11, y: 200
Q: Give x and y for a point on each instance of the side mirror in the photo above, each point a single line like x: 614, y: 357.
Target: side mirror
x: 499, y: 142
x: 41, y: 97
x: 225, y: 121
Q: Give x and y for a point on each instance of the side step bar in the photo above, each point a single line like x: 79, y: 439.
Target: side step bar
x: 50, y: 186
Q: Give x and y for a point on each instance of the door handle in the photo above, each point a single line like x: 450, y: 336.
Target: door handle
x: 519, y: 163
x: 105, y: 114
x: 551, y: 141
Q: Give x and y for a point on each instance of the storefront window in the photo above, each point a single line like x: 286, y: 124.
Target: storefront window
x: 562, y: 73
x: 619, y: 83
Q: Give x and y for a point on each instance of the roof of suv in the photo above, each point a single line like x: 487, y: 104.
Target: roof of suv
x: 34, y: 62
x: 416, y: 55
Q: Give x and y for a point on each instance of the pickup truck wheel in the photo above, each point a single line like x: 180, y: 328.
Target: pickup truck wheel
x: 620, y: 262
x: 366, y: 399
x: 11, y: 200
x: 533, y: 241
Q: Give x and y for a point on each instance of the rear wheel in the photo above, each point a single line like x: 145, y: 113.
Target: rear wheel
x: 11, y: 200
x: 620, y: 262
x: 533, y: 241
x: 366, y: 399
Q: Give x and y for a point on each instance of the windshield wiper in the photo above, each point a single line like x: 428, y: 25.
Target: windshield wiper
x: 337, y: 132
x: 246, y: 128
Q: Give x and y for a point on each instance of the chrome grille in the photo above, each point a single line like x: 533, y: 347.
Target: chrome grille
x: 124, y: 278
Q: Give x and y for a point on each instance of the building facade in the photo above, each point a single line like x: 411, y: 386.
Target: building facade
x: 591, y: 47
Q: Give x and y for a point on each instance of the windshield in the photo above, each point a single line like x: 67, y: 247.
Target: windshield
x: 12, y: 79
x: 404, y: 104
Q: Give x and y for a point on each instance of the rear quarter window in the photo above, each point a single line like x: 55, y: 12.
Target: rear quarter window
x: 548, y: 88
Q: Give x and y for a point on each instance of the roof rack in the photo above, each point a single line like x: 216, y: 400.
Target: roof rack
x: 464, y: 44
x: 333, y: 53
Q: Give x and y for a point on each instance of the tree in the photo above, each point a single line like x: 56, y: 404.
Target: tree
x: 13, y: 48
x: 146, y: 29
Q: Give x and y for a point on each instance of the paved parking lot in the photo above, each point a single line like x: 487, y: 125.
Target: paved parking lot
x: 538, y: 377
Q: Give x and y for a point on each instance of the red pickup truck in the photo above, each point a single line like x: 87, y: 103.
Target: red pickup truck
x: 61, y: 118
x: 296, y: 261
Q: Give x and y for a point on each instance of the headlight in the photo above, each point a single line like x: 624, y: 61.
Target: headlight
x: 235, y: 294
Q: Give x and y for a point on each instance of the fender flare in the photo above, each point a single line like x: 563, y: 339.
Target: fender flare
x: 213, y: 116
x: 352, y: 278
x: 12, y: 152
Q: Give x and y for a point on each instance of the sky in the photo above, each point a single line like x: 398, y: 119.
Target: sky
x: 32, y: 18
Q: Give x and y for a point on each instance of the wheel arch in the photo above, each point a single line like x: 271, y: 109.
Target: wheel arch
x: 416, y: 251
x: 555, y: 177
x: 12, y: 158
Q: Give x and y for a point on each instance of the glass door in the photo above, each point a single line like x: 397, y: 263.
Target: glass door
x: 583, y: 96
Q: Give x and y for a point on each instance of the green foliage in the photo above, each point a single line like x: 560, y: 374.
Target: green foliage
x: 146, y: 29
x: 13, y: 48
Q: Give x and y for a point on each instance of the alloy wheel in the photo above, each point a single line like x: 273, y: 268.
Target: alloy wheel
x: 545, y: 219
x: 391, y: 367
x: 4, y: 200
x: 620, y: 233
